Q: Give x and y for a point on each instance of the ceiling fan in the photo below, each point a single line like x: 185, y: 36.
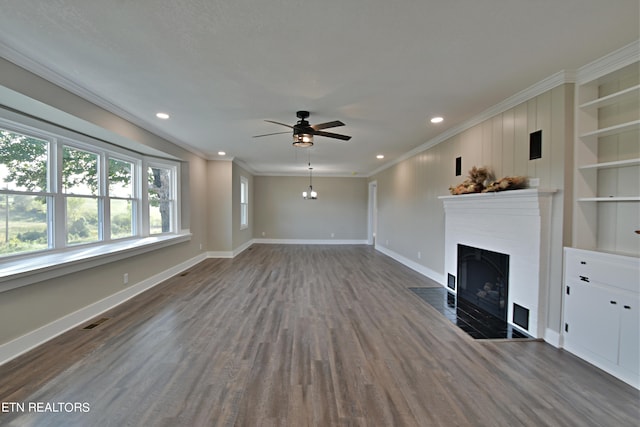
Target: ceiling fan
x: 303, y: 132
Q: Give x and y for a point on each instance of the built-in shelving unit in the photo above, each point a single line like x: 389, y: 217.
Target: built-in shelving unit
x: 601, y: 299
x: 607, y: 154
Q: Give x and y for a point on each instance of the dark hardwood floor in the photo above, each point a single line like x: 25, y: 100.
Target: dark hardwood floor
x: 302, y: 336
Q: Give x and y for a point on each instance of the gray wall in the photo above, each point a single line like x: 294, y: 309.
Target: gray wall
x: 410, y: 216
x: 282, y: 213
x: 219, y: 205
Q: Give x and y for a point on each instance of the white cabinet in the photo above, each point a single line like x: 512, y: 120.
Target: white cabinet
x: 607, y: 154
x: 602, y: 311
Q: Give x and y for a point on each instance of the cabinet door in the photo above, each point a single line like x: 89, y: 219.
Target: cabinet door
x: 592, y: 318
x: 630, y: 333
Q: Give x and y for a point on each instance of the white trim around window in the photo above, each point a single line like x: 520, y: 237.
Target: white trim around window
x: 244, y: 202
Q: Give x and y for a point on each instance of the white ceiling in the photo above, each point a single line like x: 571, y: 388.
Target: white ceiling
x: 221, y: 67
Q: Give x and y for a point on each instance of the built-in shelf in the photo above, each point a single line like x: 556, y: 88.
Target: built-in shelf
x: 612, y: 130
x: 610, y: 165
x: 607, y: 153
x: 622, y: 96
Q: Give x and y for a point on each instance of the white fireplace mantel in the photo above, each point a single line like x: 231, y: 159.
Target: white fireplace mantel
x: 516, y: 223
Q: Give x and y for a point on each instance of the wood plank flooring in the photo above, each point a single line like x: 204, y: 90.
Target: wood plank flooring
x: 291, y: 335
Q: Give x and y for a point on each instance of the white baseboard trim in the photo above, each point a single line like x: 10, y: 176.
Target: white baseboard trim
x: 310, y: 241
x: 425, y: 271
x: 553, y: 338
x: 20, y: 345
x: 220, y: 254
x: 237, y: 251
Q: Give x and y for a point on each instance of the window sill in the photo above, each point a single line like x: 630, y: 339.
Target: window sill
x: 32, y: 269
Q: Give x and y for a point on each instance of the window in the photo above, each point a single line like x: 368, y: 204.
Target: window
x: 161, y: 199
x: 244, y: 202
x: 80, y: 181
x: 62, y: 190
x: 123, y: 205
x: 25, y: 199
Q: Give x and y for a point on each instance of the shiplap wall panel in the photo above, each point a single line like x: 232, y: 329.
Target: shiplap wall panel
x: 543, y: 122
x: 497, y: 148
x: 521, y: 141
x: 410, y: 216
x: 508, y: 142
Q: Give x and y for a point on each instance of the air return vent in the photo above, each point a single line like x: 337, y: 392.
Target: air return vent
x: 96, y: 323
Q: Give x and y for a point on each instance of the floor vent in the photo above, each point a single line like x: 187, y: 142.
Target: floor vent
x: 96, y: 323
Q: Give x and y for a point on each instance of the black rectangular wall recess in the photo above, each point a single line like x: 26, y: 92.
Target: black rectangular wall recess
x: 535, y: 145
x: 451, y: 281
x: 458, y: 166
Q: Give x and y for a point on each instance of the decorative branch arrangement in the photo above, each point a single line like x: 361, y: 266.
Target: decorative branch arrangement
x: 482, y: 180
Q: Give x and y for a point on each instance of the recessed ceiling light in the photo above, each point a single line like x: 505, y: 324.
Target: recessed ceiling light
x: 380, y: 156
x: 221, y: 153
x: 436, y: 120
x: 163, y: 116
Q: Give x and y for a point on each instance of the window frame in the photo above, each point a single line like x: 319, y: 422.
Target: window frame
x: 244, y: 202
x: 175, y: 195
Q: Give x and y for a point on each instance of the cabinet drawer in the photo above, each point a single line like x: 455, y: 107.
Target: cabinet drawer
x: 606, y: 269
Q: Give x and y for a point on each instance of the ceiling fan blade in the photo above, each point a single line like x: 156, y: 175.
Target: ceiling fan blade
x: 326, y: 125
x: 332, y: 135
x: 278, y: 123
x: 269, y: 134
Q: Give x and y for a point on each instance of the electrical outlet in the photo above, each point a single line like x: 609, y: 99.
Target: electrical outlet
x: 419, y: 255
x: 333, y: 234
x: 387, y: 242
x: 125, y: 278
x: 264, y: 234
x: 534, y: 182
x: 200, y: 246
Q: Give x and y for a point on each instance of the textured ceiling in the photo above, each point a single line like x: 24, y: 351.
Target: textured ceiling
x: 382, y: 67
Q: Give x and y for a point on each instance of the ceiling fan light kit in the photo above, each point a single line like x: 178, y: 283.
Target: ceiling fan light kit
x: 302, y: 140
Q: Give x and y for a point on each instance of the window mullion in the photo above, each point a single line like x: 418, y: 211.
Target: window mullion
x: 144, y: 197
x: 104, y: 207
x: 58, y: 208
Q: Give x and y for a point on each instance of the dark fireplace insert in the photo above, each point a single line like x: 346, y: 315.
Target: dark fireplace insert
x: 483, y: 279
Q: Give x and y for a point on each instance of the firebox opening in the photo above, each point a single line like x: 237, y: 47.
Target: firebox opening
x: 483, y: 279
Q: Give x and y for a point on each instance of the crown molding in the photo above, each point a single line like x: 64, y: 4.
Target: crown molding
x: 55, y: 78
x: 315, y: 174
x: 551, y: 82
x: 614, y: 61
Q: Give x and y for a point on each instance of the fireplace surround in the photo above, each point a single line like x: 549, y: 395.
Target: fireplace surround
x: 515, y: 223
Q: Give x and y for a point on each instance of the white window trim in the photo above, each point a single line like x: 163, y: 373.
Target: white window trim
x: 244, y: 194
x: 175, y: 211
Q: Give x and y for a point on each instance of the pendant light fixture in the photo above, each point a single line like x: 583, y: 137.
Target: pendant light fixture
x: 310, y: 194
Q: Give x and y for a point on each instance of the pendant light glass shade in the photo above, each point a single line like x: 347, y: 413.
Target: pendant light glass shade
x: 310, y: 194
x: 302, y: 139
